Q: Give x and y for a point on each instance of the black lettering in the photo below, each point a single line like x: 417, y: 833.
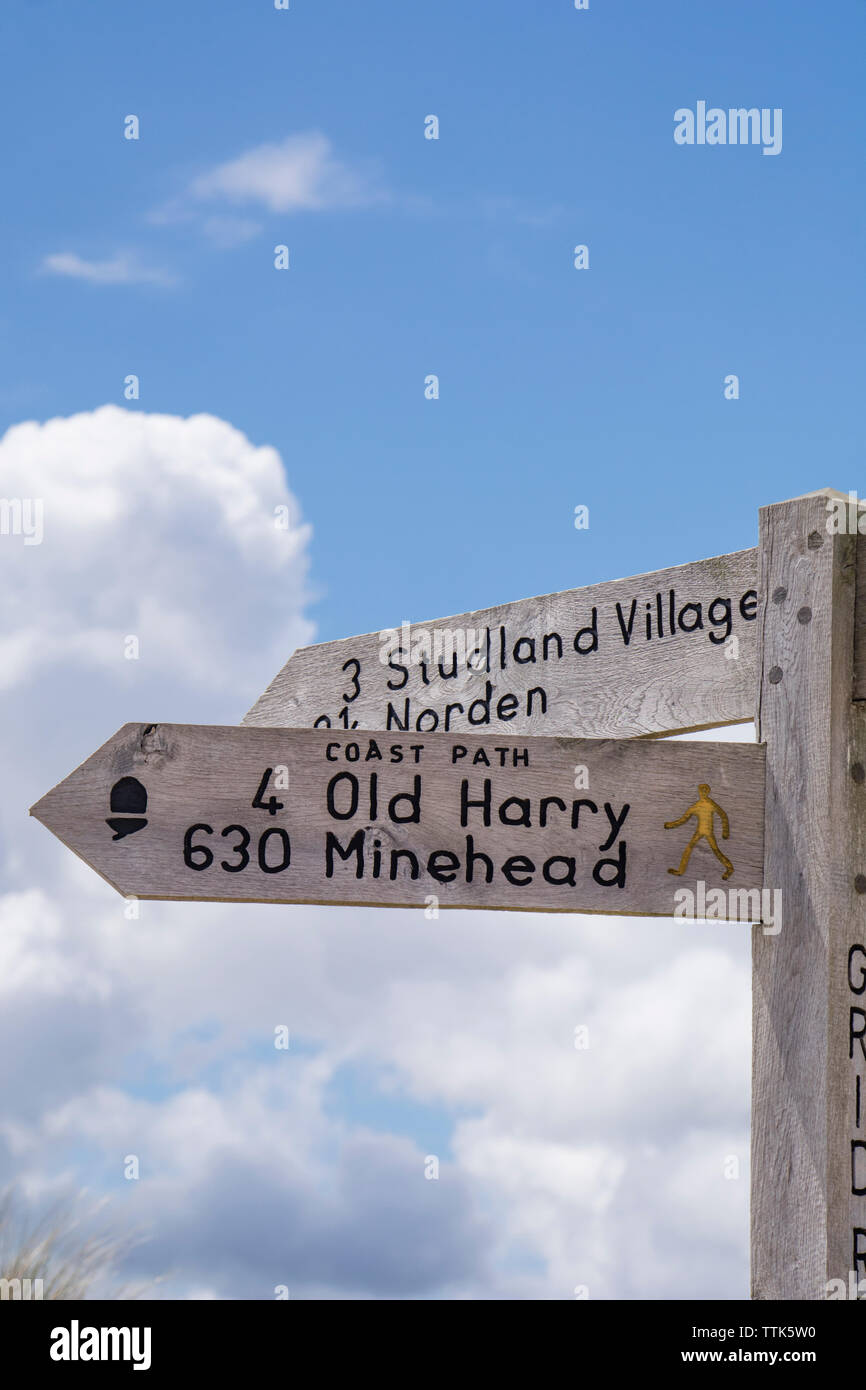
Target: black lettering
x: 332, y: 803
x: 698, y: 622
x: 570, y: 870
x: 624, y: 629
x: 271, y: 805
x: 414, y: 800
x: 471, y: 856
x: 466, y: 804
x: 485, y: 706
x: 859, y: 986
x: 397, y: 666
x: 857, y: 1032
x: 536, y: 690
x: 240, y: 849
x: 518, y: 864
x: 393, y: 721
x: 449, y: 675
x: 506, y: 707
x: 353, y: 661
x: 448, y: 709
x: 523, y: 816
x: 616, y: 823
x: 545, y: 802
x: 618, y: 866
x: 575, y: 810
x: 413, y: 863
x: 443, y: 873
x: 529, y: 642
x: 592, y: 629
x: 189, y: 849
x: 750, y: 601
x: 355, y: 846
x: 476, y: 660
x: 286, y: 859
x: 724, y: 620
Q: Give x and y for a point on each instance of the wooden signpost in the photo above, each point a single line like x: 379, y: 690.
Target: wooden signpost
x: 311, y: 816
x: 505, y: 759
x: 654, y: 654
x: 809, y: 982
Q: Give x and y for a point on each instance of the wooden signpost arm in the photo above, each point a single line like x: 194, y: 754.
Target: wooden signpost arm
x: 808, y: 1214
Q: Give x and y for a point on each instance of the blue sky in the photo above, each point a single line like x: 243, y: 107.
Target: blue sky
x: 558, y: 387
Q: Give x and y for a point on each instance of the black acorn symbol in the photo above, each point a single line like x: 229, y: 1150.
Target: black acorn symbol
x: 129, y: 798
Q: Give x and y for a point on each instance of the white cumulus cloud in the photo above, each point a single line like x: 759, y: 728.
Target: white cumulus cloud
x: 122, y: 269
x: 298, y: 174
x: 158, y: 528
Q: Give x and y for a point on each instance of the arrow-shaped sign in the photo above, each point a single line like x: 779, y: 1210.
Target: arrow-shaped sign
x: 657, y: 653
x: 315, y: 816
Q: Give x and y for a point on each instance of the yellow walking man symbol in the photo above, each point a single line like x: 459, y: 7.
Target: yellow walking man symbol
x: 704, y: 810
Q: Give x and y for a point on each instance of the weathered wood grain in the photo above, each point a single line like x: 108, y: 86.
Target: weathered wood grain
x: 566, y: 825
x: 805, y: 1120
x: 530, y: 678
x: 860, y: 618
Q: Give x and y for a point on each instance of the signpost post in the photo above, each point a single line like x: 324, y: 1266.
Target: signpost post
x: 809, y: 982
x: 508, y: 762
